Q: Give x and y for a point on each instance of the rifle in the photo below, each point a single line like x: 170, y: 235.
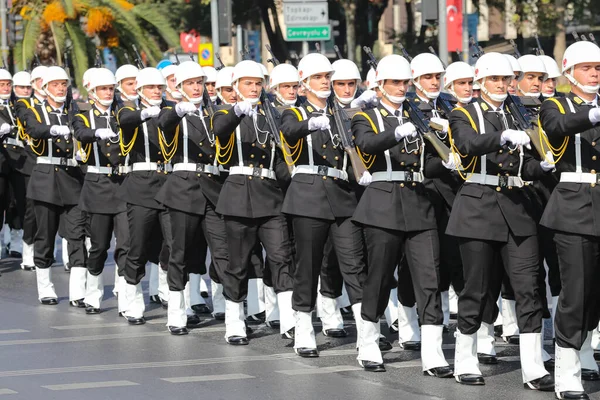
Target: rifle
x: 432, y: 51
x: 422, y: 124
x: 575, y: 36
x: 592, y: 38
x: 515, y: 48
x: 318, y: 47
x: 372, y: 61
x: 273, y: 117
x: 127, y: 60
x: 137, y: 57
x: 218, y: 56
x: 273, y: 60
x: 343, y: 127
x: 540, y: 51
x: 404, y: 52
x: 245, y: 53
x: 525, y: 121
x: 176, y: 59
x: 294, y: 59
x: 338, y: 53
x: 583, y: 38
x: 69, y: 99
x: 478, y: 49
x: 98, y: 62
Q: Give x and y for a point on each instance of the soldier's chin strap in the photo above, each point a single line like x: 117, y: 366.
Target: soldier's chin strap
x: 322, y: 94
x: 586, y: 88
x: 430, y: 95
x: 151, y: 102
x: 252, y: 100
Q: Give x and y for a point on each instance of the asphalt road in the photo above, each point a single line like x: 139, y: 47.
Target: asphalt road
x: 61, y: 353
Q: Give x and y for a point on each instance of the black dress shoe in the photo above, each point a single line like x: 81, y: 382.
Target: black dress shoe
x: 155, y: 299
x: 201, y: 309
x: 498, y: 330
x: 549, y: 365
x: 289, y: 334
x: 487, y: 358
x: 347, y: 313
x: 219, y: 316
x: 135, y: 320
x: 16, y: 254
x: 589, y: 375
x: 384, y: 344
x: 273, y: 324
x: 256, y: 318
x: 204, y: 294
x: 543, y: 384
x: 470, y: 379
x: 237, y: 340
x: 49, y: 301
x: 27, y: 267
x: 513, y: 339
x: 178, y: 330
x: 193, y: 321
x: 439, y: 372
x: 307, y: 352
x: 77, y: 303
x: 372, y: 366
x: 414, y: 346
x: 572, y: 395
x: 335, y: 333
x: 92, y: 310
x: 394, y: 327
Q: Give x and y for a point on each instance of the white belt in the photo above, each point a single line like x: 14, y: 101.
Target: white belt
x: 152, y: 166
x: 64, y: 161
x: 397, y: 176
x: 495, y: 180
x: 192, y: 167
x: 579, y: 177
x: 13, y: 142
x: 321, y: 170
x: 249, y: 171
x: 116, y: 170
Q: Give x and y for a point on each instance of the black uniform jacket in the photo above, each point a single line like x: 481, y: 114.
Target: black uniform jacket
x: 482, y: 211
x: 55, y: 184
x: 189, y: 191
x: 404, y: 206
x: 573, y: 207
x: 21, y: 105
x: 101, y: 193
x: 313, y: 195
x: 141, y: 187
x: 241, y: 195
x: 13, y: 154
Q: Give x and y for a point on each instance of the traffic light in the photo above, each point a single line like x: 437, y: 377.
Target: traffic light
x: 15, y: 29
x: 335, y: 27
x: 429, y: 10
x: 225, y: 22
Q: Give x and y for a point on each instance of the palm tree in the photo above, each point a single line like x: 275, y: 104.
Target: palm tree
x: 53, y: 26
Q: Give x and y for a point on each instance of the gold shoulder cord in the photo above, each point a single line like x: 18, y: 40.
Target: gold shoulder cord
x: 558, y: 152
x: 367, y: 159
x: 223, y: 151
x: 36, y: 144
x: 126, y: 148
x: 168, y: 149
x: 455, y: 150
x: 296, y: 150
x: 87, y: 149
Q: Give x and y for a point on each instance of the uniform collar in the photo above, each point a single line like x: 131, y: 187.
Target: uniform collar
x: 578, y: 100
x: 391, y: 110
x: 491, y: 107
x: 317, y: 109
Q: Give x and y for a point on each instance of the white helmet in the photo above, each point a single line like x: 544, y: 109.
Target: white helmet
x: 188, y: 70
x: 101, y: 77
x: 211, y: 74
x: 246, y: 69
x: 166, y: 73
x: 224, y: 77
x: 22, y: 78
x: 311, y: 64
x: 493, y: 64
x: 476, y: 85
x: 423, y: 64
x: 5, y: 76
x: 345, y: 70
x: 149, y: 76
x: 86, y: 77
x: 577, y: 53
x: 392, y: 67
x: 126, y: 71
x: 370, y: 81
x: 531, y: 63
x: 54, y: 74
x: 551, y: 67
x: 514, y: 64
x: 37, y: 73
x: 264, y: 69
x: 455, y: 71
x: 283, y: 73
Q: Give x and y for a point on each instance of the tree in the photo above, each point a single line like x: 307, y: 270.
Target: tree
x: 54, y: 26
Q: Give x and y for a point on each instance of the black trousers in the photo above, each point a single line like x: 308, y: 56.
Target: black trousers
x: 101, y: 230
x: 406, y: 291
x: 29, y: 223
x: 480, y: 263
x: 311, y: 234
x: 143, y: 223
x: 331, y: 276
x: 69, y: 222
x: 242, y: 236
x: 385, y: 249
x: 578, y: 303
x: 191, y: 234
x: 450, y: 262
x: 549, y: 254
x: 15, y: 202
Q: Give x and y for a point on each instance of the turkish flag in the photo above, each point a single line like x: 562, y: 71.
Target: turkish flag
x: 189, y: 41
x: 454, y: 20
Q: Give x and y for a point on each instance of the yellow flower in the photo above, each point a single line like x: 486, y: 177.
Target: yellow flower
x: 54, y: 12
x: 124, y: 4
x: 98, y: 20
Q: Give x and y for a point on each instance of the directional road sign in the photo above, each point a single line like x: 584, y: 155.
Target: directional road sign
x: 301, y: 33
x: 306, y: 14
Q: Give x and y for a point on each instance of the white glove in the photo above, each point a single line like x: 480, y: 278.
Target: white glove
x: 368, y: 97
x: 365, y: 179
x: 5, y: 129
x: 318, y: 123
x: 184, y: 108
x: 60, y: 130
x: 150, y: 112
x: 442, y: 122
x: 453, y: 162
x: 518, y: 138
x: 242, y: 108
x: 594, y: 115
x: 406, y: 130
x: 105, y: 133
x: 548, y: 164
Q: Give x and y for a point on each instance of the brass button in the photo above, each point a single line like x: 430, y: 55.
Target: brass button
x: 263, y: 157
x: 415, y: 164
x: 158, y: 153
x: 5, y: 146
x: 336, y: 158
x: 402, y: 151
x: 324, y: 157
x: 594, y: 158
x: 107, y: 154
x: 68, y: 150
x: 264, y: 146
x: 56, y: 168
x: 593, y: 185
x: 108, y: 165
x: 402, y: 163
x: 260, y: 166
x: 57, y: 140
x: 120, y: 154
x: 210, y: 175
x: 212, y: 145
x: 250, y: 178
x: 262, y: 178
x: 211, y: 156
x: 402, y: 185
x: 335, y: 179
x: 417, y: 152
x: 107, y: 144
x: 510, y: 164
x: 251, y: 165
x: 593, y: 171
x: 253, y: 144
x: 251, y: 155
x: 198, y: 174
x: 324, y: 146
x: 200, y: 155
x: 414, y: 184
x: 500, y: 151
x: 594, y: 144
x: 500, y: 164
x: 324, y: 178
x: 158, y: 162
x: 66, y: 141
x: 200, y: 143
x: 511, y: 152
x: 498, y: 189
x: 58, y: 150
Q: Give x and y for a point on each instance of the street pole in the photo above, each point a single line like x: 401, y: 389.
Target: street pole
x: 442, y: 31
x: 465, y: 32
x: 214, y: 27
x: 3, y: 36
x: 304, y: 48
x: 239, y: 37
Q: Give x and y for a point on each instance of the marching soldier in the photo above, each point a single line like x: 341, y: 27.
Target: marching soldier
x: 251, y: 201
x: 223, y: 86
x: 490, y: 219
x: 458, y: 81
x: 572, y: 126
x: 211, y: 80
x: 191, y: 193
x: 96, y: 128
x: 283, y: 82
x: 125, y: 76
x: 54, y: 187
x: 549, y: 85
x: 171, y: 93
x: 405, y: 226
x: 518, y: 73
x: 149, y: 154
x: 533, y: 76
